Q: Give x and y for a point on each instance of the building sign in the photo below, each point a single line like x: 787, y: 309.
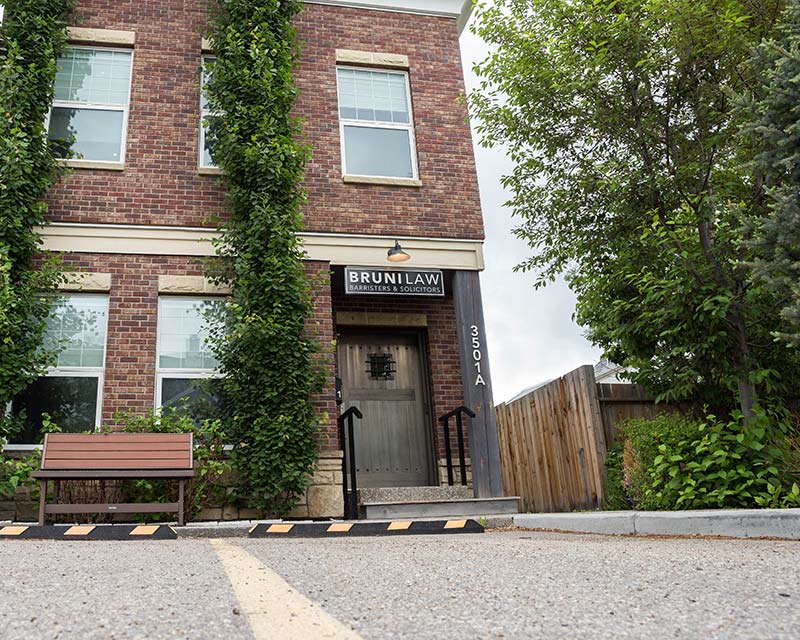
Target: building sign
x: 398, y: 282
x: 477, y: 355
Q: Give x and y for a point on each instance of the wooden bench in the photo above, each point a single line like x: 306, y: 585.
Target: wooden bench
x: 116, y: 456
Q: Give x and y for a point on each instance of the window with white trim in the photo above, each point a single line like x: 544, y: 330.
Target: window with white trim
x: 184, y: 356
x: 2, y: 11
x: 90, y: 109
x: 71, y: 392
x: 376, y: 123
x: 206, y: 116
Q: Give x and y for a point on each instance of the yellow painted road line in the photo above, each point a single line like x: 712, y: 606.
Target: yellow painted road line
x: 13, y: 531
x: 340, y: 527
x: 79, y: 530
x: 399, y: 526
x: 273, y: 608
x: 144, y: 530
x: 455, y: 524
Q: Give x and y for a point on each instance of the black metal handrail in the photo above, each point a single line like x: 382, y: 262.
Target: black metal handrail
x: 445, y: 420
x: 351, y: 496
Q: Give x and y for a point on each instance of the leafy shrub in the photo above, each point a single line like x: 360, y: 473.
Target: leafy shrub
x: 211, y: 462
x: 16, y: 472
x: 674, y: 462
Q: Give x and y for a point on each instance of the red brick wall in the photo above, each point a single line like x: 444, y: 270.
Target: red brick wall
x: 132, y: 330
x: 442, y: 345
x: 160, y: 183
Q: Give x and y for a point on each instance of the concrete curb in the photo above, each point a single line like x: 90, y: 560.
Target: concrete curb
x: 730, y: 523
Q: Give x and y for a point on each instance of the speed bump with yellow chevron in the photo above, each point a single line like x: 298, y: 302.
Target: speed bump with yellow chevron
x: 88, y: 532
x: 364, y: 529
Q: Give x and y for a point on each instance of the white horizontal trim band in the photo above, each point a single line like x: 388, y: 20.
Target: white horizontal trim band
x: 336, y: 248
x: 460, y: 9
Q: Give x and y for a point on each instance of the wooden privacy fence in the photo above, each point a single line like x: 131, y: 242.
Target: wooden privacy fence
x: 553, y: 441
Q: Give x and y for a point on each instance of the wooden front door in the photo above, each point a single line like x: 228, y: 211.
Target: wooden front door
x: 382, y: 375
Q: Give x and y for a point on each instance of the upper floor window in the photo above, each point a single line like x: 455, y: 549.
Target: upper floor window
x: 184, y: 356
x: 206, y: 116
x: 90, y: 110
x: 71, y: 391
x: 376, y: 123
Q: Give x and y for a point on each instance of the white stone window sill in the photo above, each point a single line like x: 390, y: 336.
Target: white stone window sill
x: 77, y: 163
x: 210, y: 171
x: 392, y: 182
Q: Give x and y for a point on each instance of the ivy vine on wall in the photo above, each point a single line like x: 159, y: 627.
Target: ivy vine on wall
x: 32, y: 36
x: 267, y: 355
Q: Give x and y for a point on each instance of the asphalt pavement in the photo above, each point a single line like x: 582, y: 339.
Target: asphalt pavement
x: 497, y: 585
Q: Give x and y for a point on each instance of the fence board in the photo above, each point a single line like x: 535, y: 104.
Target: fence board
x: 553, y: 441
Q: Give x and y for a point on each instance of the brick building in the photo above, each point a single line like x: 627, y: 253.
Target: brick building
x: 392, y: 163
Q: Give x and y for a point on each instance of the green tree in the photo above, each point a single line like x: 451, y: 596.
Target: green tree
x: 266, y: 353
x: 31, y: 38
x: 619, y: 116
x: 775, y: 129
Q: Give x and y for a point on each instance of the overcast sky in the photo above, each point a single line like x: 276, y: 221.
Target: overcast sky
x: 531, y: 335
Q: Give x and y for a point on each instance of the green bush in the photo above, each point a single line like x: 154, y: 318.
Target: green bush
x: 674, y: 462
x: 16, y: 472
x: 211, y: 461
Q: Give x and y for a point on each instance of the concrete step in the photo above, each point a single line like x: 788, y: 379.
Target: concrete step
x: 467, y: 507
x: 414, y: 494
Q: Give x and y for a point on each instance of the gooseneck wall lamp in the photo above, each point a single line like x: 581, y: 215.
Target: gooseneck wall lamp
x: 396, y: 253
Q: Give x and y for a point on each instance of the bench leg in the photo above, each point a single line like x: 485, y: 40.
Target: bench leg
x: 181, y: 491
x: 42, y: 500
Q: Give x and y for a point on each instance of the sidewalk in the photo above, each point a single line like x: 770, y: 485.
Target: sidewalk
x: 731, y: 523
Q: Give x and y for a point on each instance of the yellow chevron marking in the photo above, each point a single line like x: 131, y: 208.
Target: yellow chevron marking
x: 280, y: 528
x: 81, y: 530
x: 340, y: 527
x: 144, y: 530
x: 399, y: 526
x: 455, y: 524
x: 13, y: 531
x: 253, y: 528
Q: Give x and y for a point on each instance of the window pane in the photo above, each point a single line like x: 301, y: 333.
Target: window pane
x: 183, y: 332
x: 378, y: 152
x: 93, y: 76
x: 376, y: 96
x: 208, y: 152
x: 189, y: 395
x: 205, y: 74
x: 78, y: 325
x: 91, y: 134
x: 70, y: 402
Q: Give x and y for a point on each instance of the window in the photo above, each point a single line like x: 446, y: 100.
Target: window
x: 2, y: 10
x: 183, y: 353
x: 71, y: 392
x: 376, y: 123
x: 90, y: 110
x: 206, y: 117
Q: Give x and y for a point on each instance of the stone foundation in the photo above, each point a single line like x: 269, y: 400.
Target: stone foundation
x: 456, y: 472
x: 324, y: 497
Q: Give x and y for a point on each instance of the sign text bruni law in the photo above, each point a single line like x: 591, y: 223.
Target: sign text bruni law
x: 400, y: 282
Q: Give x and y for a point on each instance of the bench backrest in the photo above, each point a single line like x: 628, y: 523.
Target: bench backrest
x: 75, y: 451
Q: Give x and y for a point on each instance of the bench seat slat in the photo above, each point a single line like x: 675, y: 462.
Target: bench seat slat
x: 164, y: 463
x: 117, y: 455
x: 111, y: 445
x: 111, y: 474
